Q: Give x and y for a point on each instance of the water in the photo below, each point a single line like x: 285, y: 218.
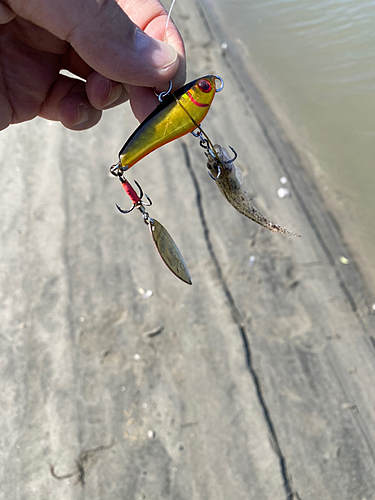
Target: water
x: 318, y: 59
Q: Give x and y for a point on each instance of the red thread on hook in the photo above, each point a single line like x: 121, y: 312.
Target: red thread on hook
x: 130, y: 192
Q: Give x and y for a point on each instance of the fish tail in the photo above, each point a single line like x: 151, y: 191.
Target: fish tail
x: 248, y: 210
x: 281, y: 230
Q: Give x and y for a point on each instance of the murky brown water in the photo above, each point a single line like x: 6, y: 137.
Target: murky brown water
x: 318, y: 59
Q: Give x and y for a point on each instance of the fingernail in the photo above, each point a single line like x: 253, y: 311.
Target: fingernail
x: 114, y: 94
x: 154, y: 52
x: 82, y: 114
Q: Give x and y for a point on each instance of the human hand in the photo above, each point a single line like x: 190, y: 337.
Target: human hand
x: 97, y: 40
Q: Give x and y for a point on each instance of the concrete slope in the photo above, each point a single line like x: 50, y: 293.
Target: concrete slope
x: 120, y: 382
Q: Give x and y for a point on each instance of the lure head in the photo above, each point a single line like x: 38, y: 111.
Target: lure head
x: 203, y: 90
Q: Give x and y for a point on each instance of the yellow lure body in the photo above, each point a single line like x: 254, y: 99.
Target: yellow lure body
x: 180, y: 113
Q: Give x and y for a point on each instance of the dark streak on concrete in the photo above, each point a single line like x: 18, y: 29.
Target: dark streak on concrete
x: 69, y: 314
x: 287, y: 481
x: 81, y: 461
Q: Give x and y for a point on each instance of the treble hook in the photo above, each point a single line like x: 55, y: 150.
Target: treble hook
x: 218, y: 173
x: 209, y: 151
x: 136, y: 199
x: 234, y: 158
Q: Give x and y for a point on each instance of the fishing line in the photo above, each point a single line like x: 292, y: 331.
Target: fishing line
x: 168, y: 18
x: 177, y: 100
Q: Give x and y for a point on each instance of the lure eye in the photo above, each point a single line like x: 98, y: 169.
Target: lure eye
x: 205, y: 86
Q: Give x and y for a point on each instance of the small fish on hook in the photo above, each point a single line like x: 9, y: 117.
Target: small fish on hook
x: 228, y: 178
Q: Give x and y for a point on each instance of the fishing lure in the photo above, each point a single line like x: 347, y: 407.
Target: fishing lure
x: 178, y: 114
x: 228, y: 179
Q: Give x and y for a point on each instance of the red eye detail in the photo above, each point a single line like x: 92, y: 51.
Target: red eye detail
x: 205, y: 86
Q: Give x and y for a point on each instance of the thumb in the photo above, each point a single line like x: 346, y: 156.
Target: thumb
x: 115, y: 47
x: 105, y: 38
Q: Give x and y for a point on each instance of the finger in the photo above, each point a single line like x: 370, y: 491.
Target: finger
x: 67, y: 102
x: 105, y: 38
x: 142, y: 101
x: 75, y: 111
x: 6, y: 13
x: 71, y: 61
x: 104, y: 93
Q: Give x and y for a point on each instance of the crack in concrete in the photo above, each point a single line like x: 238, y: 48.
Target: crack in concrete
x: 81, y: 462
x: 236, y: 315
